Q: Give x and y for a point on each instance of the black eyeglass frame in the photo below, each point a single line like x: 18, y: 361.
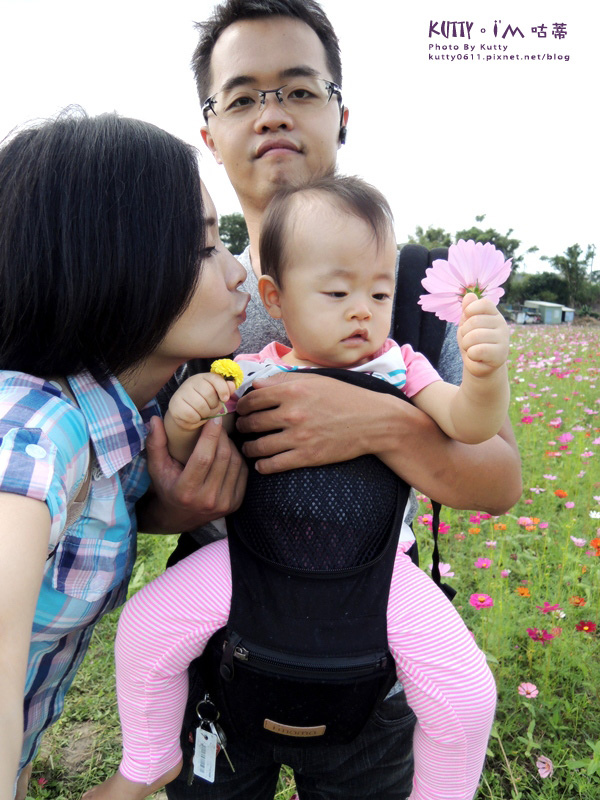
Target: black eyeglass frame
x: 331, y: 86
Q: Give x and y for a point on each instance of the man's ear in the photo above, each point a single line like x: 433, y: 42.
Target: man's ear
x: 270, y: 296
x: 343, y: 127
x: 210, y: 143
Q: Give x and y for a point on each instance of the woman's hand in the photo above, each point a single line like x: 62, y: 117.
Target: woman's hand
x: 211, y: 484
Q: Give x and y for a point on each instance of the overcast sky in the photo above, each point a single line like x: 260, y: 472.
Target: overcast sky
x: 444, y: 140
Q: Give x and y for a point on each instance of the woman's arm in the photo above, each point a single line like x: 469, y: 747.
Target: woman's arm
x: 24, y: 535
x: 319, y: 421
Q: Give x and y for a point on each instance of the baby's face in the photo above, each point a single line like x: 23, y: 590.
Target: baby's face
x: 338, y: 288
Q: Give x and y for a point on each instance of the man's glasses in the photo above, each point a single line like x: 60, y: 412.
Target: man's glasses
x: 300, y: 96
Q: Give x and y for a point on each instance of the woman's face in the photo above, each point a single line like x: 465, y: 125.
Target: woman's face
x: 209, y: 327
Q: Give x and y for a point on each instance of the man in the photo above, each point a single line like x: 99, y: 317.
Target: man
x: 255, y: 63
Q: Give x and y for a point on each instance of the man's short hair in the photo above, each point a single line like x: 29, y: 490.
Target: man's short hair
x: 101, y: 233
x: 349, y: 194
x: 230, y: 11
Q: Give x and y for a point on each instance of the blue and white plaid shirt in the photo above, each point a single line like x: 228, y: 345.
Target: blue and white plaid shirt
x: 45, y: 452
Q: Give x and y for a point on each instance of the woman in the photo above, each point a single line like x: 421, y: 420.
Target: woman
x: 111, y: 276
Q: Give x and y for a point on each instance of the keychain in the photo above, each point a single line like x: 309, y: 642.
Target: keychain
x: 210, y: 740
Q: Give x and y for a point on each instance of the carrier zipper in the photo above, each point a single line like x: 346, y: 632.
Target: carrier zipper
x: 298, y: 666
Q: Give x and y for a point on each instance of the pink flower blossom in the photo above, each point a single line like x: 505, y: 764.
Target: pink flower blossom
x: 528, y: 690
x: 491, y: 544
x: 578, y: 542
x: 505, y: 573
x: 527, y: 420
x: 479, y: 601
x: 545, y: 767
x: 556, y: 423
x: 569, y: 504
x: 551, y: 477
x: 471, y: 266
x: 547, y: 608
x: 565, y: 437
x: 444, y: 570
x: 539, y: 636
x: 483, y: 563
x: 543, y: 525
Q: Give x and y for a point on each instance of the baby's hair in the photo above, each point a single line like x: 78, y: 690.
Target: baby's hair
x: 101, y: 234
x: 348, y: 193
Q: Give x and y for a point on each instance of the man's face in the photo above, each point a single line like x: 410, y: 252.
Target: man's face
x: 274, y: 147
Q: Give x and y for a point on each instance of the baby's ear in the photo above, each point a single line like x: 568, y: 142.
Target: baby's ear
x: 270, y: 295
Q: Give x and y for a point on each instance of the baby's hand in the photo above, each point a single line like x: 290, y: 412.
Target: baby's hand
x: 198, y: 399
x: 483, y: 336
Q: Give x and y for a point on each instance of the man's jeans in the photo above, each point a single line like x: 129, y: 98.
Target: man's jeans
x: 378, y: 764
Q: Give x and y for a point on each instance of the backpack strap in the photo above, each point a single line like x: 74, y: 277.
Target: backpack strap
x: 422, y: 330
x: 448, y: 590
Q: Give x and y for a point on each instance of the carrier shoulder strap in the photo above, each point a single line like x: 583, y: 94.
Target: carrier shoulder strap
x: 422, y: 330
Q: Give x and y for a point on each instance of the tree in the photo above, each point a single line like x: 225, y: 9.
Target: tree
x: 233, y: 232
x: 573, y: 266
x: 502, y: 241
x: 546, y: 286
x: 432, y: 237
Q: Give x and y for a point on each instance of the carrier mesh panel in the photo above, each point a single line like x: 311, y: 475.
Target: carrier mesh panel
x: 333, y: 517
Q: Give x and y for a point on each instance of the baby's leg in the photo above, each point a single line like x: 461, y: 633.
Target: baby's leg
x: 161, y: 630
x: 447, y: 682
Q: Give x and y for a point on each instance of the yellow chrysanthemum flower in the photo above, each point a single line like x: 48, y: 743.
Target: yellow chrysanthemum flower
x: 229, y: 369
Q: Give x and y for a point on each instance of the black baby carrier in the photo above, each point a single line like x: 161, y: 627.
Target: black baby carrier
x: 305, y: 655
x: 304, y: 658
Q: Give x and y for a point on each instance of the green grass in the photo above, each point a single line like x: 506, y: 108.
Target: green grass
x: 555, y: 375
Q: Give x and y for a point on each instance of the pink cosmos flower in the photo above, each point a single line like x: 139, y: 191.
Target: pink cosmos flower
x: 471, y: 267
x: 505, y: 573
x: 528, y: 690
x: 491, y: 544
x: 545, y: 767
x: 483, y: 563
x: 445, y: 570
x: 565, y: 437
x: 479, y: 601
x: 569, y: 504
x: 578, y: 542
x: 547, y: 608
x: 539, y: 636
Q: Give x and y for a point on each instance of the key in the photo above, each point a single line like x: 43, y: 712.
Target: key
x: 220, y: 734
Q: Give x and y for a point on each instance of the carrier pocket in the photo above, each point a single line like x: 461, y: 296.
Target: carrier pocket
x: 284, y: 698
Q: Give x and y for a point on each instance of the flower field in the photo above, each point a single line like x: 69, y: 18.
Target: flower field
x: 528, y: 582
x: 528, y: 589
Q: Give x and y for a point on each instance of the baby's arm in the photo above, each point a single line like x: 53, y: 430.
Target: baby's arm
x: 476, y: 410
x: 198, y: 399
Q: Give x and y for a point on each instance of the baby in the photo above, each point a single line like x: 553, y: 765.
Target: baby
x: 328, y: 255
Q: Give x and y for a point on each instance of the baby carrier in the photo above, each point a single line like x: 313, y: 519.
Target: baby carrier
x: 304, y: 658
